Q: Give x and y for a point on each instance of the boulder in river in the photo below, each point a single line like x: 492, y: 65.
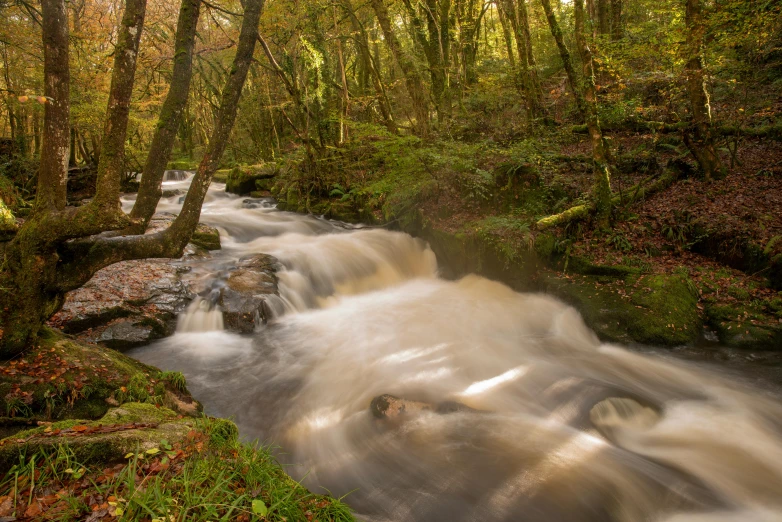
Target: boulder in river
x: 246, y: 179
x: 126, y: 304
x: 246, y: 299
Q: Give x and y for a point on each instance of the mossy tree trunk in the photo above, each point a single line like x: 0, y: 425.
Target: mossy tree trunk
x: 171, y: 115
x: 112, y: 155
x: 586, y: 99
x: 413, y: 80
x: 58, y: 250
x: 700, y: 138
x: 362, y: 44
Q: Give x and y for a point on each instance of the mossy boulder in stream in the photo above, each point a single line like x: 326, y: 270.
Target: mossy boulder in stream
x: 206, y: 237
x: 246, y: 179
x: 656, y: 309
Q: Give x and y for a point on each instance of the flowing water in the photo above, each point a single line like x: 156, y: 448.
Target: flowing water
x: 538, y: 420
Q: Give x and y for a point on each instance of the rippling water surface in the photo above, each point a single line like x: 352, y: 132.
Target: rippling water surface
x: 556, y: 425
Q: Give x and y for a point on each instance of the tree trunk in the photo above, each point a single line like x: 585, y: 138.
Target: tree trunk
x: 586, y: 99
x: 604, y: 16
x: 602, y: 185
x: 53, y: 172
x: 171, y: 115
x: 504, y: 16
x: 413, y: 80
x: 362, y: 43
x: 699, y: 139
x: 617, y: 30
x: 112, y: 155
x: 564, y: 54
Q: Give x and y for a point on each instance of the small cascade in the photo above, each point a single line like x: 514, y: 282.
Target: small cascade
x: 175, y: 175
x: 200, y: 316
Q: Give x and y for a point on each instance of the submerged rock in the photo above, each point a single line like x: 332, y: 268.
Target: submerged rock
x: 246, y: 299
x: 390, y: 407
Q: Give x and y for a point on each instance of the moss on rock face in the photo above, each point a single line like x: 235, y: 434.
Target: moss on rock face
x: 654, y: 309
x: 246, y: 179
x: 206, y: 237
x: 60, y: 378
x: 744, y: 325
x: 139, y: 427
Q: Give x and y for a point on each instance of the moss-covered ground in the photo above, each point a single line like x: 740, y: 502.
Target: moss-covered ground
x: 145, y: 463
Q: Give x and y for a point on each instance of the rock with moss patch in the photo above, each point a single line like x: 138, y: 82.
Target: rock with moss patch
x: 744, y: 325
x: 138, y: 428
x: 246, y: 179
x: 62, y: 378
x: 654, y: 309
x: 206, y: 237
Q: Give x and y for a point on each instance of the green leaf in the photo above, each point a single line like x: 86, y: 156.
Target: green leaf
x: 128, y: 455
x: 118, y: 512
x: 152, y: 451
x: 259, y: 508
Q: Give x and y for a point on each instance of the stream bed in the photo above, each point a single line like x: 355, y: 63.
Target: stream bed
x: 532, y: 417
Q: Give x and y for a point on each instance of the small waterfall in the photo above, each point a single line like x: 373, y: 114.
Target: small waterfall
x: 175, y: 175
x: 200, y: 316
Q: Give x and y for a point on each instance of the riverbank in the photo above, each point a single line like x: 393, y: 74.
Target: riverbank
x: 105, y: 437
x: 693, y: 262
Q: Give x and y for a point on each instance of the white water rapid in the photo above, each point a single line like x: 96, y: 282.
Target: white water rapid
x: 538, y: 420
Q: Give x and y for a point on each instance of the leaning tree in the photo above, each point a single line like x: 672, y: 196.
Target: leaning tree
x: 60, y: 247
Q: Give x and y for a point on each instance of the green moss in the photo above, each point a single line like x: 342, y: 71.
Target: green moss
x: 656, y: 309
x: 744, y: 325
x: 206, y: 237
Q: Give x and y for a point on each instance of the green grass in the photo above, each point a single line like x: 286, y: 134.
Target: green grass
x: 209, y: 476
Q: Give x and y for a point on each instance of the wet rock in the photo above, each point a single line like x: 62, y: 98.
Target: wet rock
x: 126, y: 304
x: 170, y: 193
x: 246, y: 179
x: 614, y: 415
x: 206, y: 237
x: 390, y: 407
x: 246, y: 298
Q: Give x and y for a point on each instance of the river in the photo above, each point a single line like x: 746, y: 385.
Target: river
x: 537, y: 419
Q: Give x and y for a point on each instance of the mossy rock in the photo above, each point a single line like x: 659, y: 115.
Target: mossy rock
x: 221, y: 176
x: 145, y: 426
x: 741, y: 325
x: 60, y: 378
x: 183, y: 164
x: 246, y: 179
x: 655, y: 309
x: 206, y: 237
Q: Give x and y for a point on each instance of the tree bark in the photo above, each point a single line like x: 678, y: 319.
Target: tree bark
x: 362, y: 43
x: 170, y: 118
x: 504, y: 16
x: 604, y: 16
x: 564, y: 54
x: 699, y: 139
x: 617, y: 30
x: 53, y: 172
x: 413, y: 80
x: 601, y: 191
x: 112, y: 156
